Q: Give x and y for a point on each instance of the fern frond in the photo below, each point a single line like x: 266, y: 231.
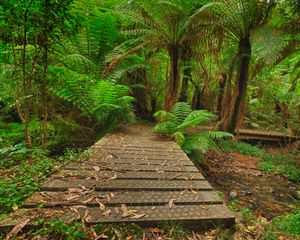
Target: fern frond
x: 179, y: 138
x: 196, y: 118
x: 181, y: 110
x: 196, y: 142
x: 166, y: 128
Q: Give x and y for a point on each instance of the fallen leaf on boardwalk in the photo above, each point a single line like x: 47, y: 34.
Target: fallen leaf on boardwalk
x: 193, y: 191
x: 75, y: 190
x: 88, y: 200
x: 171, y: 202
x: 87, y: 216
x: 138, y: 216
x: 96, y: 168
x: 106, y: 213
x: 20, y: 226
x: 124, y: 208
x: 114, y: 176
x: 70, y: 198
x: 53, y: 212
x: 109, y: 196
x: 43, y: 194
x: 75, y: 210
x: 101, y: 205
x: 128, y: 213
x: 17, y: 228
x: 177, y: 176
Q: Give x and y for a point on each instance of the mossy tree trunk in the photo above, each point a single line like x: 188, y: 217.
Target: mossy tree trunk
x: 239, y: 92
x: 173, y: 83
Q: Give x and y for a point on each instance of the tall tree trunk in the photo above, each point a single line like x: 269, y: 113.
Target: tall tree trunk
x: 26, y: 86
x: 196, y: 102
x: 185, y: 84
x: 239, y: 93
x: 173, y: 84
x: 221, y: 84
x: 153, y: 105
x: 139, y: 93
x: 44, y: 79
x: 186, y: 58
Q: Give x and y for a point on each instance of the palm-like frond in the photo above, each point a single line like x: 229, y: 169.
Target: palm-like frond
x: 174, y: 124
x: 181, y: 111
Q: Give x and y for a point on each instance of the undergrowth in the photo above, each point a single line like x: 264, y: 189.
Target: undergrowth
x: 22, y: 173
x: 273, y: 162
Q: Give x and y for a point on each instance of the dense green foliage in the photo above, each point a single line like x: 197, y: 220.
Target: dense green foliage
x: 73, y: 70
x: 175, y: 123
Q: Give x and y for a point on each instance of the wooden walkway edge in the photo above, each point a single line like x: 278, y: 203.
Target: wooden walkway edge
x: 131, y: 176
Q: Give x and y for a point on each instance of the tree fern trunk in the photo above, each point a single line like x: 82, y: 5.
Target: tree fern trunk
x: 240, y: 87
x: 221, y: 84
x: 186, y: 58
x: 173, y: 84
x: 185, y: 84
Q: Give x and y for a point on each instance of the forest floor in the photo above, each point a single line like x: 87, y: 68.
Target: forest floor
x: 253, y: 182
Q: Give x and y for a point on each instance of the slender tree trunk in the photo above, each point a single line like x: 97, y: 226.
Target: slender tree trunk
x: 221, y: 84
x: 139, y: 93
x: 26, y: 87
x: 196, y: 102
x: 186, y: 58
x: 153, y: 105
x: 173, y: 84
x: 185, y: 84
x: 44, y: 80
x: 239, y: 93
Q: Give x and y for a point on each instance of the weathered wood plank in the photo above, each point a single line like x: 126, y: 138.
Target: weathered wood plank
x: 125, y: 184
x: 130, y: 198
x: 142, y: 161
x: 84, y: 174
x: 130, y: 167
x: 195, y: 216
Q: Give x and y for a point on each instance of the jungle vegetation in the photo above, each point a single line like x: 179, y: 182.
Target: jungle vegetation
x: 72, y: 70
x: 69, y: 67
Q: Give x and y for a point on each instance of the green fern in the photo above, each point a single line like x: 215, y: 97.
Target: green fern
x: 101, y: 101
x: 174, y: 124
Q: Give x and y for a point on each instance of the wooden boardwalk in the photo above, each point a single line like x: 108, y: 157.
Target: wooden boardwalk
x: 131, y: 176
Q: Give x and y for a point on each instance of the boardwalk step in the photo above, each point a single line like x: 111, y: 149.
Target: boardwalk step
x: 134, y: 167
x: 130, y: 198
x: 143, y: 161
x: 85, y: 174
x: 188, y: 215
x: 125, y: 184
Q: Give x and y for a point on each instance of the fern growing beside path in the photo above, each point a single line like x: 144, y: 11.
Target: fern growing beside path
x: 175, y: 123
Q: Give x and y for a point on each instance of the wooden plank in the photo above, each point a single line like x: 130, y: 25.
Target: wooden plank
x: 139, y: 154
x: 140, y: 147
x: 124, y: 184
x: 143, y: 161
x: 198, y: 216
x: 136, y: 157
x: 133, y: 167
x: 83, y: 174
x: 130, y: 198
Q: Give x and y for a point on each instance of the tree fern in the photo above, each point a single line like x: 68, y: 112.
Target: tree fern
x: 174, y: 124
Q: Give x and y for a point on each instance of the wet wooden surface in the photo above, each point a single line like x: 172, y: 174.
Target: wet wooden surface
x: 131, y: 176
